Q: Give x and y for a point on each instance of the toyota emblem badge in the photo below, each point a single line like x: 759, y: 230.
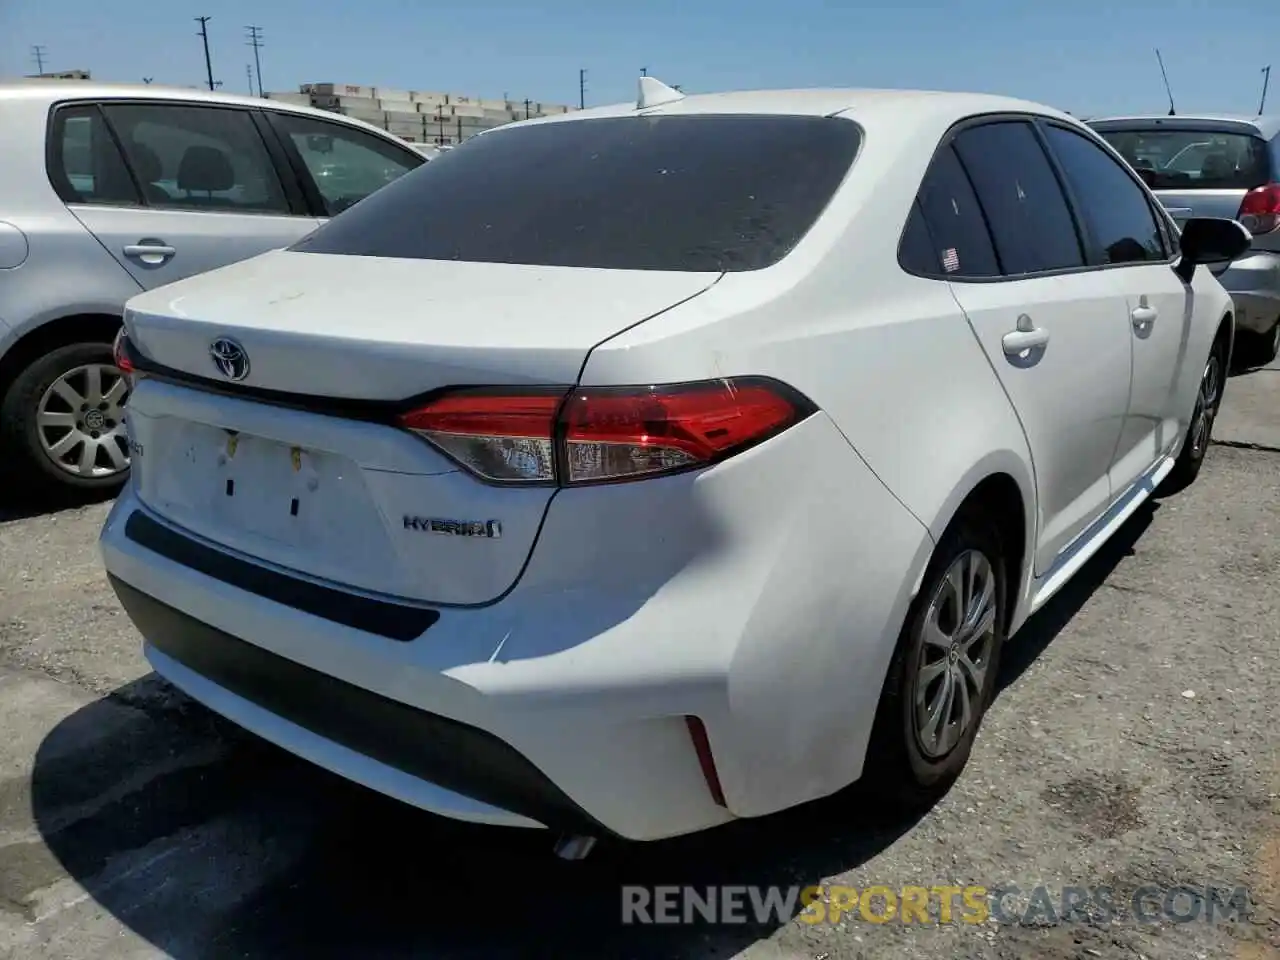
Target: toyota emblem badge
x: 230, y: 358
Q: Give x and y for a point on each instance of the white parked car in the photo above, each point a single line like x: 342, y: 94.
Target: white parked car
x: 696, y: 461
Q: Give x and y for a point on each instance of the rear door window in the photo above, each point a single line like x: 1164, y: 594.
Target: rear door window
x: 962, y: 245
x: 680, y: 193
x: 1190, y: 159
x: 1030, y: 220
x: 198, y: 158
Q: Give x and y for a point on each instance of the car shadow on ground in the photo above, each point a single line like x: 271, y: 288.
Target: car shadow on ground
x: 23, y: 500
x: 270, y: 857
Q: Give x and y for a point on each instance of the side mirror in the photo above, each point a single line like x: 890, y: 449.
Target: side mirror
x: 1211, y: 240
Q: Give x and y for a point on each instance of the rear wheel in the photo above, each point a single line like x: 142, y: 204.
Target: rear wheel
x: 943, y: 674
x: 1208, y: 401
x: 62, y: 418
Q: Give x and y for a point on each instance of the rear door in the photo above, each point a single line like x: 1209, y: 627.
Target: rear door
x: 1054, y: 330
x: 1201, y: 168
x: 1124, y: 237
x: 337, y: 164
x: 197, y: 187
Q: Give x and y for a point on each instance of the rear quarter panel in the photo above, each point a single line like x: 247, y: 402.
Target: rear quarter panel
x: 891, y: 360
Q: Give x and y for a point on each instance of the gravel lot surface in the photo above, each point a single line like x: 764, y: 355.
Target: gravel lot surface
x: 1134, y: 743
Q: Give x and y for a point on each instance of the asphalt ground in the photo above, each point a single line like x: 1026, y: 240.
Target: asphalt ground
x: 1133, y: 747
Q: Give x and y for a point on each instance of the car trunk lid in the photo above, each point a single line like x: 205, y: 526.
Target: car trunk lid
x: 299, y: 464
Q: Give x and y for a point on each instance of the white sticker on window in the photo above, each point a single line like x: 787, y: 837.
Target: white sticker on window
x: 950, y: 260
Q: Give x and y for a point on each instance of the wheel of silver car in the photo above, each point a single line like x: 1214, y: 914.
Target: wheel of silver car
x: 62, y: 421
x: 80, y: 421
x: 959, y: 637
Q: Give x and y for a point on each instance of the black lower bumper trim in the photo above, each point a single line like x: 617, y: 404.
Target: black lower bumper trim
x: 452, y: 755
x: 395, y: 621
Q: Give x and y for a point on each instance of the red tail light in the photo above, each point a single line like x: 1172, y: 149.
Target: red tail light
x: 602, y: 434
x: 120, y: 353
x: 1260, y: 209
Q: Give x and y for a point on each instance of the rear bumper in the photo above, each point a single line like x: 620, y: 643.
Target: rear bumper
x: 448, y: 763
x: 762, y: 596
x: 1254, y: 285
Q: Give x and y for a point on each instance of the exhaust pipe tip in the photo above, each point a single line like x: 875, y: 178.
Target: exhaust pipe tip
x: 574, y: 847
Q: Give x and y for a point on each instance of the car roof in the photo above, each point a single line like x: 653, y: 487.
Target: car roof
x: 52, y: 91
x: 1267, y: 126
x: 856, y: 103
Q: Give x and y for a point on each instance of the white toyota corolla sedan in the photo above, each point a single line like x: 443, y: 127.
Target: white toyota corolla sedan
x: 629, y: 472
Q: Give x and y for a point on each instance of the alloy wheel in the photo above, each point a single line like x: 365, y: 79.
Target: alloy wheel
x: 80, y: 422
x: 1207, y: 398
x: 959, y: 641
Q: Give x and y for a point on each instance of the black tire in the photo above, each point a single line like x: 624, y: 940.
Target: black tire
x: 897, y: 762
x: 19, y: 436
x: 1258, y: 349
x: 1195, y: 446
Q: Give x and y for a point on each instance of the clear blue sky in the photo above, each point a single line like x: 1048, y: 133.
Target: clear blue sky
x: 1081, y: 55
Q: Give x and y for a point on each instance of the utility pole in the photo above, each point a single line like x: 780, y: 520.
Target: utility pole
x: 255, y: 41
x: 38, y: 52
x: 248, y: 70
x: 1266, y: 79
x: 582, y: 89
x: 204, y: 35
x: 644, y: 71
x: 527, y: 104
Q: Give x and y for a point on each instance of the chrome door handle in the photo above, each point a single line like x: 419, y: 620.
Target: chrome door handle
x: 143, y: 250
x: 1020, y: 341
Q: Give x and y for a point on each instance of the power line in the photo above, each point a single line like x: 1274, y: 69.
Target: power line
x: 255, y: 41
x: 204, y: 35
x: 582, y: 89
x: 38, y: 52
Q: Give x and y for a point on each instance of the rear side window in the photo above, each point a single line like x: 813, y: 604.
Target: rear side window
x: 1119, y: 215
x: 198, y: 158
x: 961, y: 243
x: 85, y: 165
x: 916, y: 253
x: 1029, y: 217
x: 1188, y: 159
x: 682, y: 193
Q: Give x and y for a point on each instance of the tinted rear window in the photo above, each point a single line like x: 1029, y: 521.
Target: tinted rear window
x: 689, y: 193
x: 1194, y: 159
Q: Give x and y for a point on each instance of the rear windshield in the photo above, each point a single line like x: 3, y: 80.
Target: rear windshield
x: 687, y: 193
x: 1194, y: 159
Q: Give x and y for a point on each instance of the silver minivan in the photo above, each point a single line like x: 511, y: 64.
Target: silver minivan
x: 1219, y: 166
x: 108, y: 190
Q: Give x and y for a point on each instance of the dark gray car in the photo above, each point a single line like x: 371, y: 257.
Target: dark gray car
x: 1219, y: 166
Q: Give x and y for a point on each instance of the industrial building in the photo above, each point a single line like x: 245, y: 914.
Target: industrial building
x: 442, y: 119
